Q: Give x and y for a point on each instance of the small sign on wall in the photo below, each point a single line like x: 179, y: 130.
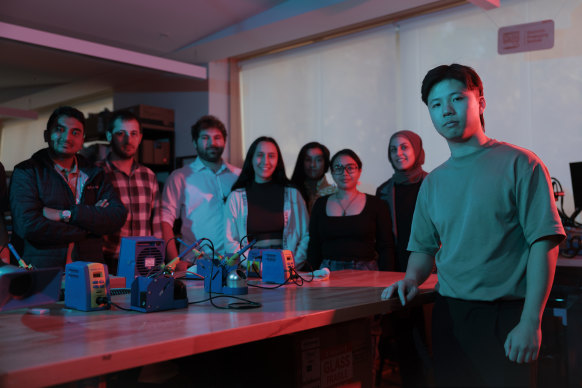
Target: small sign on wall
x: 526, y: 37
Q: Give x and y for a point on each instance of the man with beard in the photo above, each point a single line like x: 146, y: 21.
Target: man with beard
x: 61, y: 204
x: 136, y: 185
x: 196, y: 193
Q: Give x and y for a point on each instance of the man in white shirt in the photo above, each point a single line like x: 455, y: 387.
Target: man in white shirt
x: 196, y: 193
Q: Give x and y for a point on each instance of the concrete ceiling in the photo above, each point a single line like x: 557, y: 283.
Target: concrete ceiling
x: 194, y: 32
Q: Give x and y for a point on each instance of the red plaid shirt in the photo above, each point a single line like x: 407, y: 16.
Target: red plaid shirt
x: 140, y: 194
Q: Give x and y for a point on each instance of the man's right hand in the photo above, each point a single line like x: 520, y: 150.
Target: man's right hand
x: 407, y: 289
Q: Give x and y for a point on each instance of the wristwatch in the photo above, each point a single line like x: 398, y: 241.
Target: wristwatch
x: 66, y: 215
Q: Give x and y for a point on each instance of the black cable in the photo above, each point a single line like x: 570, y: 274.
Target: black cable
x: 166, y: 246
x: 183, y: 274
x: 294, y: 277
x: 200, y: 301
x: 271, y: 288
x: 559, y: 196
x: 301, y: 277
x: 567, y: 220
x: 241, y: 246
x: 248, y: 304
x: 119, y: 307
x: 240, y: 242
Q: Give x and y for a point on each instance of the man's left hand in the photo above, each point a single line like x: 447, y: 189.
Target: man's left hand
x: 523, y: 342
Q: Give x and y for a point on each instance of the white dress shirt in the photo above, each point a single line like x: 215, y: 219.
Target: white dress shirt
x: 196, y: 194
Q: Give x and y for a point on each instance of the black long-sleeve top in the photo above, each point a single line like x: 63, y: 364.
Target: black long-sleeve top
x: 365, y: 236
x: 404, y: 203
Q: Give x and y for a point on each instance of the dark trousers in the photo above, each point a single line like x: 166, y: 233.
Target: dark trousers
x: 468, y: 344
x: 403, y: 340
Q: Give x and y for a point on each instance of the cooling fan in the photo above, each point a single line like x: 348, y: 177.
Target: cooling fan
x: 140, y: 256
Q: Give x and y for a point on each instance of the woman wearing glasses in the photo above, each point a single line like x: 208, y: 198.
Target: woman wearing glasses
x: 263, y: 205
x: 349, y: 229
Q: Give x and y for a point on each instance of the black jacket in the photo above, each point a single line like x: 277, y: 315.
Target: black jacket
x: 36, y: 184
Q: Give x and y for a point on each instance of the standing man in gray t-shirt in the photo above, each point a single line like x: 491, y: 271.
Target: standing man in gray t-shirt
x: 487, y: 216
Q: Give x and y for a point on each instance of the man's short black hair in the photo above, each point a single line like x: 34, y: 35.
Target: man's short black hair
x: 67, y: 111
x: 123, y: 115
x: 464, y: 74
x: 206, y: 122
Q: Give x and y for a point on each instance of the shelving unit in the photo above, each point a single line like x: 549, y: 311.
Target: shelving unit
x: 157, y: 146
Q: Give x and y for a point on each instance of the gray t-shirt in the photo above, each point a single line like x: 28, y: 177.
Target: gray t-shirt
x: 486, y: 209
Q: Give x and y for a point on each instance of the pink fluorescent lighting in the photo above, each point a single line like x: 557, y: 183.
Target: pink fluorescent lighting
x: 61, y: 42
x: 18, y: 113
x: 486, y: 4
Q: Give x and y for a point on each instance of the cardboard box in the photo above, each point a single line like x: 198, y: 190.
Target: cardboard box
x: 147, y: 151
x: 161, y: 151
x: 154, y: 115
x: 338, y: 355
x: 333, y: 356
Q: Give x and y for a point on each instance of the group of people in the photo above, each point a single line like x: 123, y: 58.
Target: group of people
x: 65, y: 208
x: 486, y: 217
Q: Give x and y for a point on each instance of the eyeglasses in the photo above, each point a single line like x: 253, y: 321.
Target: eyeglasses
x: 339, y: 169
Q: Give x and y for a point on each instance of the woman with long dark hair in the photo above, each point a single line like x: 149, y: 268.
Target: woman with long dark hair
x: 309, y: 173
x: 349, y: 229
x: 264, y: 206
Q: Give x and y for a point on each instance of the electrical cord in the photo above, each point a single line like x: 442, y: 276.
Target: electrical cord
x: 119, y: 307
x: 567, y: 220
x: 294, y: 277
x: 246, y: 304
x: 559, y: 197
x: 200, y: 301
x: 311, y: 271
x: 183, y: 274
x: 167, y: 242
x: 243, y: 305
x: 241, y: 246
x: 106, y: 301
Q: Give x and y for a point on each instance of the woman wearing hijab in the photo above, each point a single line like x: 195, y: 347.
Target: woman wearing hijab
x: 406, y: 156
